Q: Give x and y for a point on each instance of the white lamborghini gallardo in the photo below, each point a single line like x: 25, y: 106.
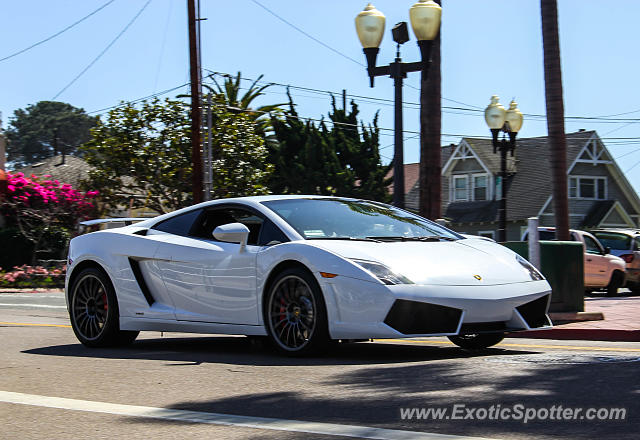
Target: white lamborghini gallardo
x: 300, y: 270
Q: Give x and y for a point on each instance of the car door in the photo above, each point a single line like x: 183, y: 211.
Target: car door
x: 595, y: 263
x: 210, y: 280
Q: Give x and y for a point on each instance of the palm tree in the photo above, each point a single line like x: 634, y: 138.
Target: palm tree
x: 229, y: 92
x: 430, y: 182
x: 555, y: 115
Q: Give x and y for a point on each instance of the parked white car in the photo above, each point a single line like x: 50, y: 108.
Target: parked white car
x: 624, y: 243
x: 602, y: 271
x: 300, y: 270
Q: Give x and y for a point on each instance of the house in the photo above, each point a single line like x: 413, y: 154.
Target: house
x: 599, y: 193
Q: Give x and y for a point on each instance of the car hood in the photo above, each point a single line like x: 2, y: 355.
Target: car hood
x: 437, y: 263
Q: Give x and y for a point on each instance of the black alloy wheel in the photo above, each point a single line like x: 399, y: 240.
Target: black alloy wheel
x: 295, y: 313
x: 477, y: 341
x: 94, y: 311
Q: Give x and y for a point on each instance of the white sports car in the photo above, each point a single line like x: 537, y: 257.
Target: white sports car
x: 301, y: 270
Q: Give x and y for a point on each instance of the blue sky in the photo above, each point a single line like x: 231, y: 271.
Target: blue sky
x: 489, y: 47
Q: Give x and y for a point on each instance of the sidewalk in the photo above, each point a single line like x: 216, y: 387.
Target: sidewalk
x: 621, y: 322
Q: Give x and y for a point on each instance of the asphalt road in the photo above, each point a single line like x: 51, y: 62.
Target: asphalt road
x: 191, y: 386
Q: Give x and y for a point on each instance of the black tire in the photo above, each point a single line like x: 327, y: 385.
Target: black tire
x: 93, y: 310
x: 617, y: 279
x: 295, y: 314
x: 477, y: 341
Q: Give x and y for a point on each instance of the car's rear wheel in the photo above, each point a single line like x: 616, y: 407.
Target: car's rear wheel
x: 477, y: 341
x: 617, y: 279
x: 295, y: 313
x: 94, y: 313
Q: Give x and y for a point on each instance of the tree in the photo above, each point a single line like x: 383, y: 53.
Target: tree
x: 142, y: 156
x: 330, y: 159
x: 46, y: 129
x: 555, y: 115
x: 42, y: 208
x: 239, y: 164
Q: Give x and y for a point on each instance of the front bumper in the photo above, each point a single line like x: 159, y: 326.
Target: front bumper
x: 371, y: 310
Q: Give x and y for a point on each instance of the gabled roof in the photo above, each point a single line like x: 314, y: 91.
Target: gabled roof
x: 530, y: 186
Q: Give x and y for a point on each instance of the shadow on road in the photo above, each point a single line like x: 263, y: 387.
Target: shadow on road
x: 241, y: 351
x: 374, y: 397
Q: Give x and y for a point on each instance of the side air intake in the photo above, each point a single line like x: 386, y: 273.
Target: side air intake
x: 135, y: 267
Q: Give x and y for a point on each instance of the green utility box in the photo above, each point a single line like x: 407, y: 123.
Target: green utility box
x: 563, y: 266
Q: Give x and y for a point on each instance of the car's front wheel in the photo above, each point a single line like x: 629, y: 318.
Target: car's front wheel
x: 477, y: 341
x: 93, y: 310
x: 295, y: 313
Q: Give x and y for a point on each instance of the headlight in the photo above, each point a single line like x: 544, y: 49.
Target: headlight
x: 533, y: 272
x: 382, y: 272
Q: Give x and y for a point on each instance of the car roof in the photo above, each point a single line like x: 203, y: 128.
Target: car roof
x: 632, y: 232
x: 249, y: 201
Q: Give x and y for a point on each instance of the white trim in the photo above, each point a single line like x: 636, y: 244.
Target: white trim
x: 544, y: 207
x: 623, y: 213
x: 595, y: 189
x: 455, y: 177
x: 586, y: 145
x: 467, y: 148
x: 488, y: 187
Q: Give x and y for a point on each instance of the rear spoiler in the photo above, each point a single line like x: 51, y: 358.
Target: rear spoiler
x: 127, y: 221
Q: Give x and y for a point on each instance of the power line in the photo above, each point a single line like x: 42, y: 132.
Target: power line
x: 57, y: 33
x: 306, y: 34
x: 122, y: 104
x: 104, y: 50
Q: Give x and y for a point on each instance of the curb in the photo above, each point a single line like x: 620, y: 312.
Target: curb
x: 592, y: 334
x: 557, y: 317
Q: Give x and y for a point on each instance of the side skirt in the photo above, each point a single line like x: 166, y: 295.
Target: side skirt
x: 160, y: 325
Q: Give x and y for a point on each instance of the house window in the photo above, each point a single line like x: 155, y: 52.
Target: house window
x: 460, y: 191
x: 480, y: 187
x: 588, y: 188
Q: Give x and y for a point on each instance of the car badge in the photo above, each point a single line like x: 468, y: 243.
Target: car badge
x: 478, y: 277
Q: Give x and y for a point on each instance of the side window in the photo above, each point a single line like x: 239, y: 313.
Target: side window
x: 271, y: 234
x: 180, y: 224
x: 592, y: 246
x: 214, y: 217
x: 636, y: 246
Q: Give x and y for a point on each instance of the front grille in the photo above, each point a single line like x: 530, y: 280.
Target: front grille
x: 483, y: 327
x: 535, y: 312
x: 414, y: 318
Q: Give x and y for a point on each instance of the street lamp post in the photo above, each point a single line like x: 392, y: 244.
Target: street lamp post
x: 508, y: 121
x: 425, y: 21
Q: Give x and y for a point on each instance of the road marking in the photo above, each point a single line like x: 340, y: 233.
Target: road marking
x: 504, y: 344
x: 319, y: 428
x: 34, y: 325
x: 35, y: 306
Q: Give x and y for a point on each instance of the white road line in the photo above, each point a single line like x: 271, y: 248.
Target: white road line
x: 366, y: 432
x: 35, y: 306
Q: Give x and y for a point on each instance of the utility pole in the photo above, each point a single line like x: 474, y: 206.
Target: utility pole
x: 196, y: 113
x: 430, y: 180
x: 3, y: 176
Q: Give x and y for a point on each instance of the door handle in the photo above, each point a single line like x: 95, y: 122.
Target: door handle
x: 588, y: 259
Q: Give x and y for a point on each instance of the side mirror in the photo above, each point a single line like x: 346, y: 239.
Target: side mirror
x: 232, y: 233
x: 607, y: 250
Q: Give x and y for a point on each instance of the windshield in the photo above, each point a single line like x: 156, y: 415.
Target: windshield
x: 356, y: 219
x: 614, y: 240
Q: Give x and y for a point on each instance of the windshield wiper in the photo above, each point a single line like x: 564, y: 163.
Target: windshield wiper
x: 421, y: 238
x: 374, y: 239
